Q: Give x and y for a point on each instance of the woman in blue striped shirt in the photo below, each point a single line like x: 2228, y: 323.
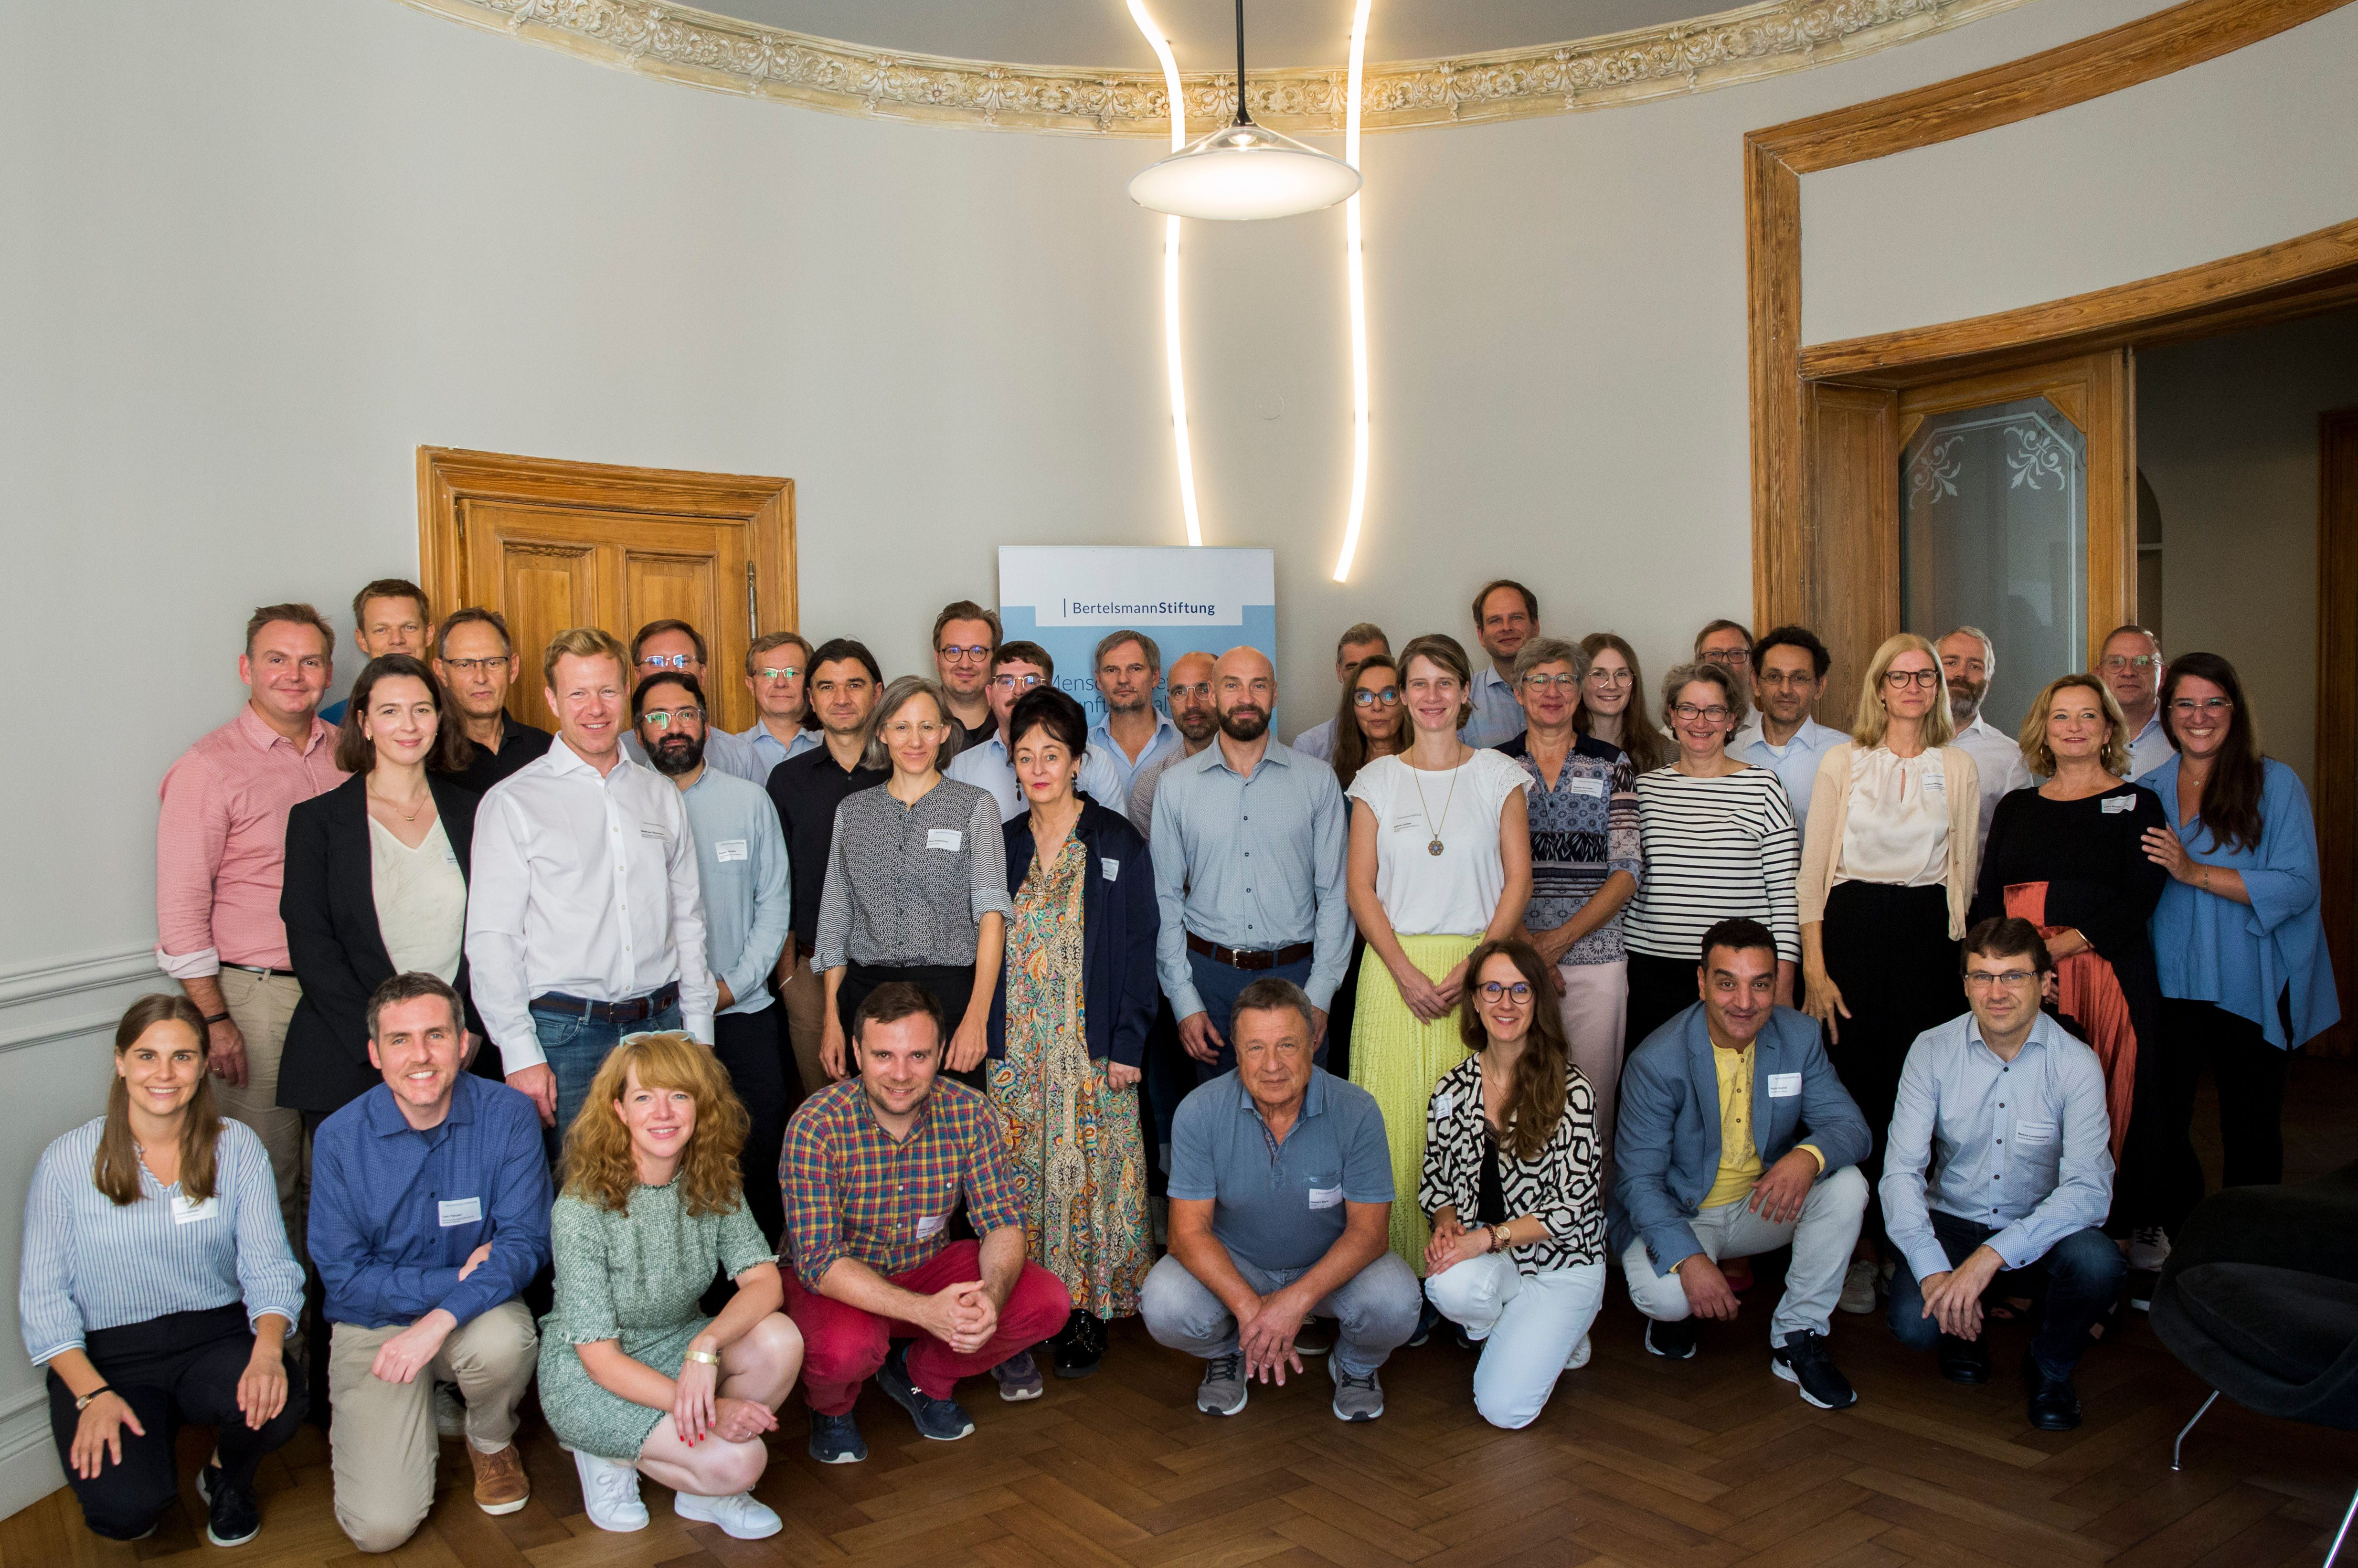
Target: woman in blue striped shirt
x: 157, y: 1286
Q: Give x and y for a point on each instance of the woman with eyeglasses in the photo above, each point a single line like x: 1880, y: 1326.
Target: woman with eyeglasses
x: 916, y: 884
x: 1513, y: 1178
x: 1719, y: 843
x: 1369, y: 723
x: 1886, y: 873
x: 1440, y: 863
x: 2245, y: 980
x: 1613, y: 706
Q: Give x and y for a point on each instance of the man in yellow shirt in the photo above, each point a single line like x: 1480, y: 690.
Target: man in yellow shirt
x: 1712, y: 1161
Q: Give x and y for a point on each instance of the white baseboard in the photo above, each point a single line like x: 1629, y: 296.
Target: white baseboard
x: 30, y: 1470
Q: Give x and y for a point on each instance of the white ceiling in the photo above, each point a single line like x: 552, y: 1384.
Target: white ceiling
x: 1202, y: 32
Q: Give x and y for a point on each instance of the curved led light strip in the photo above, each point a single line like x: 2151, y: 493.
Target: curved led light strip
x: 1351, y: 248
x: 1178, y: 97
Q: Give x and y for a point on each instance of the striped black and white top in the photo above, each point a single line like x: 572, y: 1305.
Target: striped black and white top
x: 1716, y: 849
x: 90, y: 1265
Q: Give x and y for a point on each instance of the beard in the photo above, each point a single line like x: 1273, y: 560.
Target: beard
x: 1197, y: 724
x: 1965, y: 699
x: 1244, y: 723
x: 674, y: 756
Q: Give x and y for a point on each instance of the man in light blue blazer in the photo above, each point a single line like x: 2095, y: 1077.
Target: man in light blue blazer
x: 1712, y: 1161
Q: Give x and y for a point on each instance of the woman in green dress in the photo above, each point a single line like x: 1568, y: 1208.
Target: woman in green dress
x: 1068, y: 1030
x: 634, y: 1378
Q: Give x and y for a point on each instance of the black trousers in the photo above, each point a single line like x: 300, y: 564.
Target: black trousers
x: 952, y: 986
x: 180, y: 1367
x: 2250, y: 1077
x: 1660, y: 990
x: 1887, y: 948
x: 747, y: 1044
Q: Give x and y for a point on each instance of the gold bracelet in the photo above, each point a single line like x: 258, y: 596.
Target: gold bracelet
x: 704, y: 1358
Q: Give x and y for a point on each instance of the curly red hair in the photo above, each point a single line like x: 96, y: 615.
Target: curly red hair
x: 599, y: 1164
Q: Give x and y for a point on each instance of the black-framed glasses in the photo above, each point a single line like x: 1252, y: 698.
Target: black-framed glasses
x: 1493, y: 989
x: 1387, y: 697
x: 1899, y: 680
x: 970, y: 651
x: 668, y: 661
x: 668, y: 717
x: 2012, y: 979
x: 1731, y: 657
x: 779, y: 672
x: 1714, y: 714
x: 476, y: 666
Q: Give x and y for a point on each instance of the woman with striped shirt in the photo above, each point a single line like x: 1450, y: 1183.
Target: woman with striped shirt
x: 158, y: 1286
x: 1720, y: 844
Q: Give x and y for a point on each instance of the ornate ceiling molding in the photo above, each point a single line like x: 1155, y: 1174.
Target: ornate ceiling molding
x: 678, y: 43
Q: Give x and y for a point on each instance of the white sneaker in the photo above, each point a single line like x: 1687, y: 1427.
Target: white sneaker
x: 1579, y: 1356
x: 1858, y: 1286
x: 450, y: 1414
x: 2148, y: 1248
x: 610, y: 1493
x: 737, y: 1514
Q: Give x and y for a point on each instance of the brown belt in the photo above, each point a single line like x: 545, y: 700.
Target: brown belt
x: 1238, y: 958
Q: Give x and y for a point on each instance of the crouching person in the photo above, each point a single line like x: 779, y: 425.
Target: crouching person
x: 430, y: 1214
x: 1280, y: 1208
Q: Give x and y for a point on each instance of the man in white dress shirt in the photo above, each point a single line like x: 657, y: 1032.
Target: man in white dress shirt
x: 1968, y: 658
x: 1134, y: 731
x: 1016, y: 668
x: 2130, y: 665
x: 1788, y: 674
x: 584, y: 915
x: 1505, y: 616
x: 1354, y: 648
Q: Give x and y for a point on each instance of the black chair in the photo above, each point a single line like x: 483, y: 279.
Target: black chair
x: 2260, y: 1299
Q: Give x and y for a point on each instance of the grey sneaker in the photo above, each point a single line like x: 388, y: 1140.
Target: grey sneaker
x: 1019, y: 1378
x: 1356, y: 1398
x: 1224, y: 1389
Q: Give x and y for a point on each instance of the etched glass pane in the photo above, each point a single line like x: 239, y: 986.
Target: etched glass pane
x: 1994, y: 533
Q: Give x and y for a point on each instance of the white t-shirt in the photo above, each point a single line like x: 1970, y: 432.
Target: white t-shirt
x: 1457, y: 891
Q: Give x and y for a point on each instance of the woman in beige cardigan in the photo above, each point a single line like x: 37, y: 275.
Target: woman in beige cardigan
x: 1886, y: 873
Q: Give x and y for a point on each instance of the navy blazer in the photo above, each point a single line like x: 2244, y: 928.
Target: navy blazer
x: 328, y: 900
x: 1666, y: 1128
x: 1120, y: 921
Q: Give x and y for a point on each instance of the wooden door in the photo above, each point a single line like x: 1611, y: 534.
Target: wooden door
x: 554, y: 545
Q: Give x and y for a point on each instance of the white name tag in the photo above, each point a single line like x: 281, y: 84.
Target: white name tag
x: 1587, y: 787
x: 459, y: 1211
x: 450, y: 856
x: 187, y: 1211
x: 649, y: 830
x: 944, y: 839
x: 2034, y: 1132
x: 931, y: 1224
x: 1784, y: 1085
x: 1408, y: 824
x: 1935, y: 783
x: 1326, y: 1197
x: 1442, y: 1104
x: 1111, y: 867
x: 2112, y: 805
x: 728, y: 849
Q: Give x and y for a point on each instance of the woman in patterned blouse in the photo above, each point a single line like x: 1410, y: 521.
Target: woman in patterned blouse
x: 1510, y: 1180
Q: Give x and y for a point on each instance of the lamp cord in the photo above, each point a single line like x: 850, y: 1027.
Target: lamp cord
x: 1242, y: 117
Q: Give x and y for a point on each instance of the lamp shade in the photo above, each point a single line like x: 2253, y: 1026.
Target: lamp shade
x: 1242, y: 171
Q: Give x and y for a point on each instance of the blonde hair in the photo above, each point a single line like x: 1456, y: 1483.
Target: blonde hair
x: 898, y: 696
x: 599, y: 1167
x: 1872, y: 719
x: 584, y: 643
x: 2040, y: 757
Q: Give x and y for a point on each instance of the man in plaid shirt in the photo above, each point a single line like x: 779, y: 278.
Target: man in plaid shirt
x: 872, y: 1169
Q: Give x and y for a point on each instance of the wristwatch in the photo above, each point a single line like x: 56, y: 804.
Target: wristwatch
x: 1500, y: 1238
x: 82, y: 1403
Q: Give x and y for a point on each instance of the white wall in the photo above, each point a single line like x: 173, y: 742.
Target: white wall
x: 2227, y: 437
x: 2246, y: 150
x: 256, y: 253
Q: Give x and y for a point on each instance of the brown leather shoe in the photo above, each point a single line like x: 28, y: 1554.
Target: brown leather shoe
x: 499, y: 1484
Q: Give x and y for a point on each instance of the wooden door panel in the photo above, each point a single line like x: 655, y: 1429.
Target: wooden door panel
x: 1854, y: 520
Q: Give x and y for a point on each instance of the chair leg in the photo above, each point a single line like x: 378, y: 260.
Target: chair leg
x: 2342, y: 1534
x: 2181, y: 1444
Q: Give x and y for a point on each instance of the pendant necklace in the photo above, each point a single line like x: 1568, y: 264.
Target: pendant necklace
x: 391, y: 804
x: 1434, y: 828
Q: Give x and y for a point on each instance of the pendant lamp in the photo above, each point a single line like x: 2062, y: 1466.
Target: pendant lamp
x: 1243, y: 171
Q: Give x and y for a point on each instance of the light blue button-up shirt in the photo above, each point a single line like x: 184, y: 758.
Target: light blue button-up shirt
x: 767, y: 751
x: 989, y: 767
x: 1254, y: 862
x: 1498, y: 717
x: 2022, y: 1146
x: 1795, y: 763
x: 1166, y: 738
x: 740, y: 857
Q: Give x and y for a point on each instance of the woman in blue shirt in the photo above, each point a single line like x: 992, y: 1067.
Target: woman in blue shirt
x: 158, y: 1286
x: 2245, y: 976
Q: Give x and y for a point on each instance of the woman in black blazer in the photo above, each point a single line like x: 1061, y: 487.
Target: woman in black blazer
x: 374, y: 867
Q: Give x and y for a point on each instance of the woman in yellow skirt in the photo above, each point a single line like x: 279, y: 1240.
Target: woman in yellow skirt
x: 1441, y: 861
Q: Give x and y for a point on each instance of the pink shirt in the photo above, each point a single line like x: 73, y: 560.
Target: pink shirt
x: 220, y: 843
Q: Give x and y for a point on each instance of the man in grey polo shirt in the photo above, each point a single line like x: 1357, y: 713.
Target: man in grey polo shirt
x: 1280, y: 1208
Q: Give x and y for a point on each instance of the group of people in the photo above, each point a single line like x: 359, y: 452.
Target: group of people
x: 853, y: 1045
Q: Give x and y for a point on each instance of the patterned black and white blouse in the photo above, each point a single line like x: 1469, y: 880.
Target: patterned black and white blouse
x: 1559, y: 1187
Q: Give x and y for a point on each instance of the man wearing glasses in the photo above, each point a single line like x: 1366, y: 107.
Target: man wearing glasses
x: 1016, y: 668
x: 2000, y: 1163
x: 675, y: 647
x: 1198, y: 719
x: 740, y: 863
x: 1506, y: 615
x: 965, y: 637
x: 475, y: 660
x: 777, y: 668
x: 2130, y: 666
x: 1729, y: 644
x: 1356, y: 646
x: 1787, y: 669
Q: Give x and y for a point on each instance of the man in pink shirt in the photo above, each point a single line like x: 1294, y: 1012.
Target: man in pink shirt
x: 220, y: 845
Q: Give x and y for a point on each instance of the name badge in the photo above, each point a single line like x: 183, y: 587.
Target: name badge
x: 1935, y: 783
x: 931, y: 1224
x: 2112, y: 805
x: 728, y: 849
x: 2034, y: 1132
x: 1784, y: 1085
x: 1588, y: 786
x: 187, y: 1211
x: 459, y: 1211
x: 944, y: 839
x: 1408, y: 824
x: 650, y: 830
x: 1326, y: 1197
x: 1111, y: 867
x: 450, y: 856
x: 1442, y: 1104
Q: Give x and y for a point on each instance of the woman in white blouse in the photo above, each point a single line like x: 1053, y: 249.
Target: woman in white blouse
x: 1886, y: 874
x: 1441, y: 861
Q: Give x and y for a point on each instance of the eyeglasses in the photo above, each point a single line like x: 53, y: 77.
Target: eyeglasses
x: 2012, y: 979
x: 1899, y: 680
x: 1200, y: 690
x: 973, y: 651
x: 668, y: 661
x: 476, y: 667
x: 1714, y: 714
x: 2187, y: 707
x: 1564, y: 682
x: 781, y: 672
x: 665, y: 718
x: 1388, y: 697
x: 1492, y: 991
x: 1729, y: 657
x: 1612, y: 677
x: 1788, y: 678
x: 1016, y: 683
x: 2117, y: 662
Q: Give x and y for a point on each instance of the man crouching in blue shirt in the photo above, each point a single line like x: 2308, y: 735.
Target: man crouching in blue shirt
x: 2000, y: 1162
x: 430, y: 1214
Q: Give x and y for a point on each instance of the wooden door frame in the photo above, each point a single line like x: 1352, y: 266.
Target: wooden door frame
x: 2336, y: 764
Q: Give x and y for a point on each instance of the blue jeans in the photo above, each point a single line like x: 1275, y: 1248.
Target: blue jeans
x: 2081, y: 1274
x: 1219, y: 985
x: 576, y: 1048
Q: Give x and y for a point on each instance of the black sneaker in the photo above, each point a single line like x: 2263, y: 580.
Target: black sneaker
x: 232, y: 1515
x: 1081, y: 1347
x: 836, y: 1440
x: 1801, y: 1361
x: 944, y: 1421
x: 1675, y: 1340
